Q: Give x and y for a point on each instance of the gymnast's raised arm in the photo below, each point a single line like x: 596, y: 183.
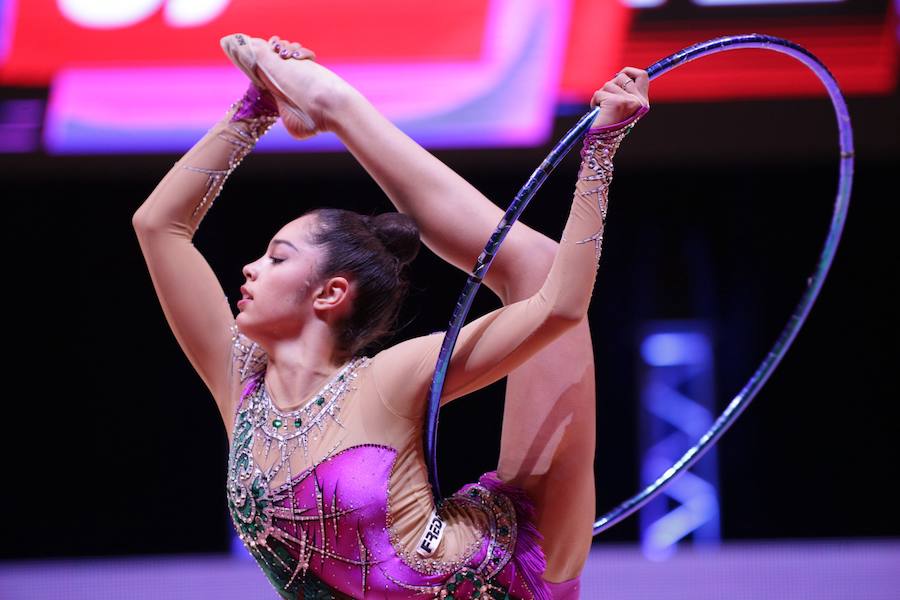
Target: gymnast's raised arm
x: 191, y: 296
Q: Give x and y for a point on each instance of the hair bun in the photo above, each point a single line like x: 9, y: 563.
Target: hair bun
x: 399, y: 234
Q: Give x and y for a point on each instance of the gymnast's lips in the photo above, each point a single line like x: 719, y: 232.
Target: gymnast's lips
x: 246, y: 297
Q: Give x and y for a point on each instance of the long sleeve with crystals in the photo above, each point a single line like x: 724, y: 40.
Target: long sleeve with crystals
x: 582, y: 238
x: 493, y: 345
x: 192, y: 299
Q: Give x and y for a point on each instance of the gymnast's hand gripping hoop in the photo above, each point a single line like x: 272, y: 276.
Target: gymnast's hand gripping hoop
x: 774, y: 356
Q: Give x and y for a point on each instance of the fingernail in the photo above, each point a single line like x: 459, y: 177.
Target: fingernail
x: 296, y: 54
x: 285, y: 53
x: 277, y: 47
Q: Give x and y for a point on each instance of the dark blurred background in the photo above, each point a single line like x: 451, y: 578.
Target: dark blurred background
x: 718, y: 212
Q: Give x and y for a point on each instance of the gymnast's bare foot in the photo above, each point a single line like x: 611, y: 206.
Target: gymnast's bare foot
x: 303, y: 89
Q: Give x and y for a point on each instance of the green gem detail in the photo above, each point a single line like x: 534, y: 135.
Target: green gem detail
x: 298, y: 423
x: 476, y: 583
x: 459, y: 577
x: 473, y: 493
x: 282, y: 553
x: 320, y: 400
x: 503, y: 529
x: 276, y: 423
x: 451, y: 587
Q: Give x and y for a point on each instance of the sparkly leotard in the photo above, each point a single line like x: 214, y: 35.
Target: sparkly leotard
x: 332, y: 497
x: 327, y: 531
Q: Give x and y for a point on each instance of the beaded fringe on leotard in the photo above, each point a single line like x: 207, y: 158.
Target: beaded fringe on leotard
x: 528, y: 555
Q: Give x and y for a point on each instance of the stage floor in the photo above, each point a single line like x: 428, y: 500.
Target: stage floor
x: 805, y: 570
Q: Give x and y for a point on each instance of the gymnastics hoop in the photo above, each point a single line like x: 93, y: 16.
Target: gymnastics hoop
x: 814, y: 284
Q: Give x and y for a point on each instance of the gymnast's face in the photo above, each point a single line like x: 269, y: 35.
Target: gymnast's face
x: 277, y: 297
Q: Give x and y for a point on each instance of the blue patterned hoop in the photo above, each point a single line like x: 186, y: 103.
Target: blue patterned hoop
x: 778, y: 350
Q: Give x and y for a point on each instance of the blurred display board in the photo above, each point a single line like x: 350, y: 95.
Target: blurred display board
x: 148, y: 75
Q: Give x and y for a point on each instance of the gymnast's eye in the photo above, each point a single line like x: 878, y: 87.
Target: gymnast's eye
x: 275, y: 260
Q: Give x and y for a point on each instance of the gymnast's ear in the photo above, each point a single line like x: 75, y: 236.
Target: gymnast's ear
x: 333, y: 297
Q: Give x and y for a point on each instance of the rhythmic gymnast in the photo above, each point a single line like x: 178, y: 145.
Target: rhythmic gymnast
x: 327, y: 484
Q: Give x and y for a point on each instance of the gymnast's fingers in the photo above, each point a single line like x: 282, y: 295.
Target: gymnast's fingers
x: 641, y: 87
x: 615, y: 104
x: 610, y: 88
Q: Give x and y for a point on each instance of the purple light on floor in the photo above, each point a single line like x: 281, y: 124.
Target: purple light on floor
x: 819, y: 570
x: 20, y: 125
x: 505, y: 98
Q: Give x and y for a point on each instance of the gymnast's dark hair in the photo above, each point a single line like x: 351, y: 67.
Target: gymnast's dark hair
x: 372, y: 253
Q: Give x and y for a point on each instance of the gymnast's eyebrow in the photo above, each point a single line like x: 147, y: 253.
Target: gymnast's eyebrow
x: 276, y: 242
